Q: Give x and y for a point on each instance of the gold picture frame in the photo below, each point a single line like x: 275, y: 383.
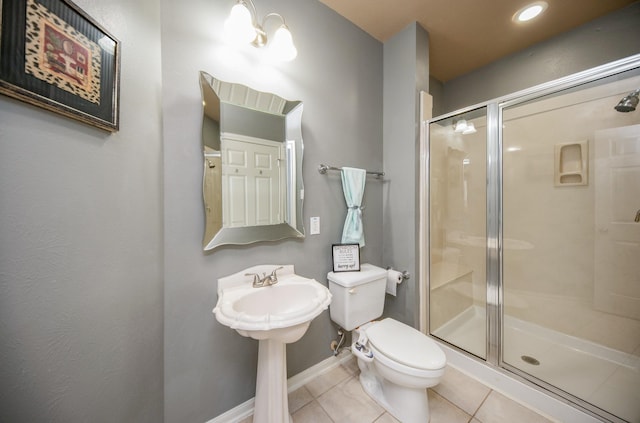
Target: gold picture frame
x: 55, y: 56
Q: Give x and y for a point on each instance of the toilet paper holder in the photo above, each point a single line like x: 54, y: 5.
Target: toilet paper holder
x: 405, y: 274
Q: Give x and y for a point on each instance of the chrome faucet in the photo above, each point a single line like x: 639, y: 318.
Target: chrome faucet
x: 265, y: 280
x: 256, y: 280
x: 273, y: 277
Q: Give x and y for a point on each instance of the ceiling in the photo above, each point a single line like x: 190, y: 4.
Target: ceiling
x: 467, y: 34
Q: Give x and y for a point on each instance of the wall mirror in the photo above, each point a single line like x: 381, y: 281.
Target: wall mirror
x: 252, y: 150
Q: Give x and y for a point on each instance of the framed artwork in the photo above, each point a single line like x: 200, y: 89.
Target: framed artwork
x: 55, y: 56
x: 346, y: 257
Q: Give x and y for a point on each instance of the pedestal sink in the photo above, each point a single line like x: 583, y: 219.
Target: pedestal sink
x: 275, y: 315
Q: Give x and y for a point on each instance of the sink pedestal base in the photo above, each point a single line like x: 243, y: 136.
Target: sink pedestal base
x: 271, y: 402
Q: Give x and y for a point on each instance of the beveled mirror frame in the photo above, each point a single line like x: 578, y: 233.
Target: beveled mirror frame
x: 221, y: 103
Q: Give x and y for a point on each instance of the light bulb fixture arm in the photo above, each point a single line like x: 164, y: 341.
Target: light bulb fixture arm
x: 261, y: 34
x: 252, y: 9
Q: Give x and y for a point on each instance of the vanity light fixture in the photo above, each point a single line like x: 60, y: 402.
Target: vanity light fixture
x: 243, y: 26
x: 530, y: 11
x: 460, y: 126
x: 463, y: 127
x: 470, y: 129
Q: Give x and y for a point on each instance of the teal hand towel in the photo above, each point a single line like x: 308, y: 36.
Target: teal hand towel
x: 353, y: 186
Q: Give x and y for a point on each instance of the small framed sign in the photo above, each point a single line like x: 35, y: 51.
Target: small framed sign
x: 346, y: 257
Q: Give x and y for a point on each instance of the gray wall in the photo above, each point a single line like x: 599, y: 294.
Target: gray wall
x: 600, y: 41
x: 209, y: 368
x: 81, y: 309
x: 406, y: 73
x: 81, y: 256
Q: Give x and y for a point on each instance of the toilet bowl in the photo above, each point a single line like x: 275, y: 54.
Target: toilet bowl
x: 397, y: 364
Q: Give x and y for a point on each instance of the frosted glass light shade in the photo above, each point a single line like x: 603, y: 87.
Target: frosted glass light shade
x: 470, y: 129
x: 239, y: 25
x: 460, y: 126
x: 281, y: 46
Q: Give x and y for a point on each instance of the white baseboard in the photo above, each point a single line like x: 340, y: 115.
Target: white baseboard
x: 244, y: 410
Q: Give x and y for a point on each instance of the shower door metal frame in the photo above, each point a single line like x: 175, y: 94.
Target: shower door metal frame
x: 495, y: 283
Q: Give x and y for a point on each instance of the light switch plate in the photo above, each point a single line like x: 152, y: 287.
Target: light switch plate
x: 314, y: 227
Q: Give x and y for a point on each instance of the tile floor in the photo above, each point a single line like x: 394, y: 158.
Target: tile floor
x: 337, y: 397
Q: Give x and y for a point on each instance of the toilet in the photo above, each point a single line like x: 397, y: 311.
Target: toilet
x: 397, y: 362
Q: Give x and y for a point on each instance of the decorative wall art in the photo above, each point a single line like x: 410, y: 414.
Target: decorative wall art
x: 55, y: 56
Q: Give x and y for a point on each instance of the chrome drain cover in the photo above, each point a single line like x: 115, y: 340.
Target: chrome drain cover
x: 530, y: 360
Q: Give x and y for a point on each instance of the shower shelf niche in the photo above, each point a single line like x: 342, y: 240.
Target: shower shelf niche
x: 571, y: 164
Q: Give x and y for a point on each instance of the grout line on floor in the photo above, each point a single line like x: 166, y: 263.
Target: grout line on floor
x: 473, y: 416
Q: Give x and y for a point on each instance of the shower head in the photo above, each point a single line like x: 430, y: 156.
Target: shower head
x: 629, y: 102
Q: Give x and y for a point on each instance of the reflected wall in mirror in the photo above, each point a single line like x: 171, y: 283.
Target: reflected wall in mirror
x: 252, y: 180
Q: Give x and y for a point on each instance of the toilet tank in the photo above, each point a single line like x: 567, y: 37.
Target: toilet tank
x: 358, y: 297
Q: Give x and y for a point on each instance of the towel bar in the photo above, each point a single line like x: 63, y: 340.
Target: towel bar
x: 323, y: 168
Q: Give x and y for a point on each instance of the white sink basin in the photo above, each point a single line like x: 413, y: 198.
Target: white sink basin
x: 275, y: 315
x: 282, y: 311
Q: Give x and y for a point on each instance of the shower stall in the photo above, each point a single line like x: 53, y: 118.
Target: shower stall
x: 532, y: 227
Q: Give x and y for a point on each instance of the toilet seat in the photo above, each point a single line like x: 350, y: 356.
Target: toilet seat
x: 404, y: 348
x: 405, y: 370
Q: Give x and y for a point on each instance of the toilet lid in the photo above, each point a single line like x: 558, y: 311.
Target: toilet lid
x: 406, y: 345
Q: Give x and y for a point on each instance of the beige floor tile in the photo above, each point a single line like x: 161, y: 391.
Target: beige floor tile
x: 326, y: 381
x: 442, y: 411
x: 311, y: 413
x: 499, y: 409
x: 299, y: 398
x: 462, y: 390
x: 348, y: 403
x: 351, y: 366
x: 387, y: 418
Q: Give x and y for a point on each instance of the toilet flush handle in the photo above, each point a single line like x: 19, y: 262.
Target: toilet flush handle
x: 352, y: 291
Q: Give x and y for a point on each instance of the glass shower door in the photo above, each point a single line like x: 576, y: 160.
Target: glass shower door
x: 457, y: 235
x: 571, y: 248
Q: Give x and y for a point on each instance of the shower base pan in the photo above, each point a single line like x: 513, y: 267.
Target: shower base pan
x: 607, y: 378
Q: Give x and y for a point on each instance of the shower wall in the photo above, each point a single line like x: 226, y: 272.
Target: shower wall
x: 549, y: 229
x: 546, y: 223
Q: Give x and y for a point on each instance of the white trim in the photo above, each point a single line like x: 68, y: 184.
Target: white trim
x: 236, y: 414
x: 246, y: 138
x: 423, y: 223
x: 306, y: 376
x: 244, y: 410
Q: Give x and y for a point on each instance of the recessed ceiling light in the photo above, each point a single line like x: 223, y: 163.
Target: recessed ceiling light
x: 530, y: 11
